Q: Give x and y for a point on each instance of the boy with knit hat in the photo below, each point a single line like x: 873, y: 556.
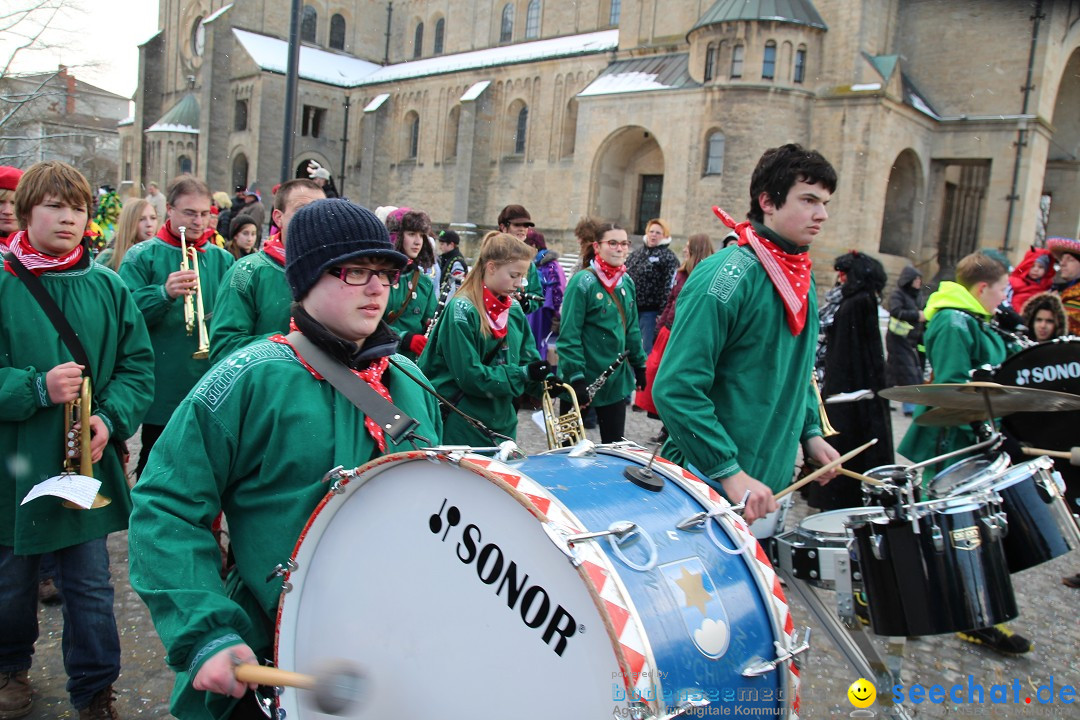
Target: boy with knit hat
x: 9, y: 224
x: 252, y: 440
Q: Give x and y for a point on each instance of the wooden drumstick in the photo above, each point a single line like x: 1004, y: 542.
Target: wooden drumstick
x: 852, y: 474
x: 1073, y: 456
x: 824, y: 469
x: 335, y: 689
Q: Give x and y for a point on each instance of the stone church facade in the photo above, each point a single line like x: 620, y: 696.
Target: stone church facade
x: 953, y: 124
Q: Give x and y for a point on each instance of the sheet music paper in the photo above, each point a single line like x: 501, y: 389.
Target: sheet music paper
x: 79, y: 489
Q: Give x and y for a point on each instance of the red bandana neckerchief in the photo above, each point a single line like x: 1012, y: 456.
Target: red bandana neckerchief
x: 38, y: 262
x: 273, y: 247
x: 608, y: 274
x: 372, y: 375
x: 165, y: 232
x: 497, y: 312
x: 790, y: 274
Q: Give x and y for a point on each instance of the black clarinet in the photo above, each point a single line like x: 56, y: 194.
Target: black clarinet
x: 608, y: 372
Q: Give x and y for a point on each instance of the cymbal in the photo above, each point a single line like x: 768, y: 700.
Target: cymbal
x: 1004, y: 399
x: 950, y: 417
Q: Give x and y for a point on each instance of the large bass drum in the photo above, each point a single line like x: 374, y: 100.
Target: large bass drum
x: 463, y: 587
x: 1052, y: 365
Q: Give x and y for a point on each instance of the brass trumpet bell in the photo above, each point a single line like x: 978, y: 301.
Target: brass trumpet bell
x: 826, y: 427
x: 562, y: 430
x: 77, y: 443
x: 194, y: 310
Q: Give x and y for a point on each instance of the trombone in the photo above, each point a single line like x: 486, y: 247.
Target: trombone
x: 194, y: 310
x: 78, y: 443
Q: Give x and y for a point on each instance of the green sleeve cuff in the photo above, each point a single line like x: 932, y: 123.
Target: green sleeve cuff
x: 209, y: 645
x: 107, y: 420
x: 41, y: 391
x: 726, y: 470
x: 811, y: 432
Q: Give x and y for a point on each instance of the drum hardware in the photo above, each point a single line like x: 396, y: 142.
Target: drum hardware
x: 644, y: 477
x: 827, y: 429
x: 990, y: 442
x: 823, y: 469
x: 281, y: 570
x: 700, y: 518
x: 509, y: 452
x: 619, y: 528
x: 1073, y: 456
x: 337, y: 688
x: 338, y: 477
x: 78, y: 443
x: 782, y: 655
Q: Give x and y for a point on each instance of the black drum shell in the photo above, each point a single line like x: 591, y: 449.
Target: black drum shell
x: 915, y: 589
x: 1052, y: 365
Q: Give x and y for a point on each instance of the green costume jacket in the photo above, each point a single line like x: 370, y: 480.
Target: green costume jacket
x: 956, y: 343
x: 101, y: 310
x: 145, y: 268
x: 253, y: 439
x: 411, y: 309
x: 252, y: 305
x: 734, y: 387
x: 454, y: 360
x: 535, y: 289
x: 593, y: 333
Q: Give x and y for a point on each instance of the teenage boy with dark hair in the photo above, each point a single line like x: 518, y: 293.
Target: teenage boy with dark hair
x: 37, y: 378
x: 252, y: 440
x: 737, y: 397
x: 152, y: 270
x: 253, y: 302
x: 959, y: 339
x: 515, y: 220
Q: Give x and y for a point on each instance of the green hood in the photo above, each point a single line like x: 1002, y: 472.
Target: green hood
x: 954, y: 295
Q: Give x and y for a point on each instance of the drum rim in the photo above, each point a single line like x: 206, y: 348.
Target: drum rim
x: 1006, y: 479
x: 862, y: 513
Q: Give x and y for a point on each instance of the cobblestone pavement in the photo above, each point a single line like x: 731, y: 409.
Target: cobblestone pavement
x: 1048, y: 615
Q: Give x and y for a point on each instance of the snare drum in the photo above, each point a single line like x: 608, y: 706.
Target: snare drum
x: 815, y: 546
x: 903, y: 485
x: 554, y: 587
x: 1040, y: 526
x: 968, y: 472
x: 949, y: 576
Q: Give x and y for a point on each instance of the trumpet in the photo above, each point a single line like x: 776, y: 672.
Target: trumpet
x: 827, y: 429
x: 78, y: 442
x: 562, y: 430
x: 194, y: 310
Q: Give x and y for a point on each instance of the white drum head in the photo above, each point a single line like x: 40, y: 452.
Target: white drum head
x: 832, y: 522
x: 430, y: 578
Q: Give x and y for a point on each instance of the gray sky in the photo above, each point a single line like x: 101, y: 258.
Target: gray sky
x: 99, y: 39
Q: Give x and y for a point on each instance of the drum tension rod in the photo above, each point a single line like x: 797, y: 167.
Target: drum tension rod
x: 782, y: 655
x: 698, y: 519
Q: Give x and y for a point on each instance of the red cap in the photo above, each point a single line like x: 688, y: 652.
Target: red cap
x: 9, y: 177
x: 214, y: 210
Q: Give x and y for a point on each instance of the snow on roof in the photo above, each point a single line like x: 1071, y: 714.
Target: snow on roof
x: 583, y: 44
x: 129, y: 120
x: 475, y: 91
x: 623, y: 83
x: 658, y: 72
x: 376, y: 102
x: 319, y: 65
x: 171, y: 127
x: 215, y: 15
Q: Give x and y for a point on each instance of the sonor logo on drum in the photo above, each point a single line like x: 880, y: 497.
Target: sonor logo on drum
x: 493, y: 568
x: 1047, y: 373
x: 966, y: 538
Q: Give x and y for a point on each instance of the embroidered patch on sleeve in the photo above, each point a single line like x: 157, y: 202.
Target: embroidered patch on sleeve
x: 219, y: 382
x: 730, y: 274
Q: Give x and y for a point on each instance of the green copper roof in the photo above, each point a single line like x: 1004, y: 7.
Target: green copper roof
x: 884, y: 64
x: 181, y: 117
x: 800, y: 12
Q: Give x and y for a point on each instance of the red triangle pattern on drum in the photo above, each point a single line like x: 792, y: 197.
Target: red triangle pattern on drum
x: 596, y: 574
x: 618, y: 616
x: 634, y: 659
x: 542, y: 504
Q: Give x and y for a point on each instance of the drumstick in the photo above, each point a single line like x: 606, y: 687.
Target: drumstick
x: 852, y: 474
x: 335, y: 689
x: 822, y: 470
x: 1073, y: 457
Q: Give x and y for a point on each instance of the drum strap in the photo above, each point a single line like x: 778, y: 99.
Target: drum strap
x: 394, y: 421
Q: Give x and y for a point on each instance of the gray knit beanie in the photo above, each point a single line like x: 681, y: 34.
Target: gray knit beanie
x: 329, y: 232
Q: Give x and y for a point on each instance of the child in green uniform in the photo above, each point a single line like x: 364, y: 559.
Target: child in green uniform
x: 515, y: 220
x: 599, y: 324
x: 37, y: 378
x: 414, y: 298
x: 482, y: 354
x: 254, y: 299
x: 152, y: 270
x: 253, y: 440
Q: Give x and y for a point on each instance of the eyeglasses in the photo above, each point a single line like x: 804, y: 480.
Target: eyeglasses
x: 616, y: 244
x: 362, y: 275
x: 195, y: 214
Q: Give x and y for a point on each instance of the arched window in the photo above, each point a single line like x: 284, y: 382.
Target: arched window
x: 240, y: 171
x: 337, y: 32
x: 570, y: 128
x: 709, y: 62
x: 736, y: 61
x: 309, y: 19
x: 183, y: 164
x: 412, y: 122
x: 616, y: 11
x: 532, y: 20
x: 418, y: 41
x: 440, y: 32
x: 452, y: 123
x: 520, y: 130
x: 800, y: 64
x: 768, y: 64
x: 714, y: 156
x: 506, y: 28
x: 240, y: 116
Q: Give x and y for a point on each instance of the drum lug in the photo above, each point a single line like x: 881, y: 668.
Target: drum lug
x: 877, y: 543
x: 997, y: 524
x: 280, y: 570
x: 337, y: 479
x: 937, y: 538
x: 760, y: 667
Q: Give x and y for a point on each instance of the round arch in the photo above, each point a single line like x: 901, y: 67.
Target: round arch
x: 627, y: 178
x: 1061, y: 180
x: 903, y: 211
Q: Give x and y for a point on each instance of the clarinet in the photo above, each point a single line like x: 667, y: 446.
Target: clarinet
x: 608, y: 372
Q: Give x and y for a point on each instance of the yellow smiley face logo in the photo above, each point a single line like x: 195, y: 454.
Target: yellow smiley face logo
x: 862, y: 693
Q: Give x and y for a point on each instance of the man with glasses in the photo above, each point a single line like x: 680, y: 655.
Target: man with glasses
x: 253, y: 440
x: 152, y: 271
x: 515, y: 220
